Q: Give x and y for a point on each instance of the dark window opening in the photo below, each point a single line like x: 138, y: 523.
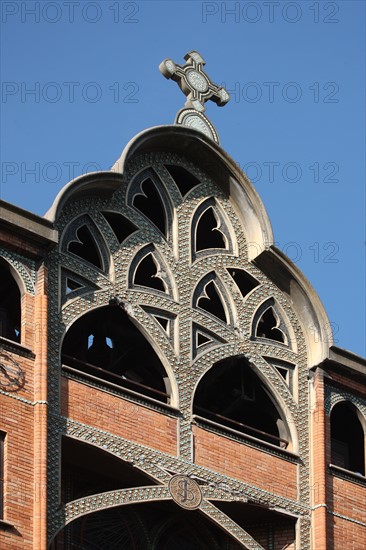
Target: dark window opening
x: 176, y: 536
x: 150, y: 204
x: 106, y: 344
x: 347, y: 439
x: 284, y: 373
x: 72, y: 285
x: 86, y: 249
x: 231, y: 394
x: 146, y: 274
x: 2, y: 473
x: 202, y: 339
x: 267, y: 327
x: 87, y: 470
x: 271, y: 529
x: 285, y: 369
x: 184, y: 180
x: 207, y: 233
x: 211, y: 302
x: 150, y: 525
x: 163, y: 322
x: 121, y: 226
x: 244, y: 281
x: 10, y: 310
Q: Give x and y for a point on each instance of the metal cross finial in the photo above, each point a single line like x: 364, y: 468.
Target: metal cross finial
x: 198, y: 88
x: 194, y: 82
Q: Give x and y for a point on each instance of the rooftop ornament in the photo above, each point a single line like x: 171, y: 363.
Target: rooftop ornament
x: 198, y: 88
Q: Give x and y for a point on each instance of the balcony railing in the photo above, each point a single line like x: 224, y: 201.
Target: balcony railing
x: 123, y: 381
x: 250, y: 430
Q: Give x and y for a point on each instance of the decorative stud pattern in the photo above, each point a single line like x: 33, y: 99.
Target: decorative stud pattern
x: 335, y: 395
x: 184, y: 361
x: 25, y: 267
x: 157, y: 465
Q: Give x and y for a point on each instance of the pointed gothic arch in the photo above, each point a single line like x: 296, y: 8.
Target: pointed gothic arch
x: 270, y: 323
x: 83, y: 240
x: 150, y: 271
x: 121, y: 226
x: 147, y: 195
x: 106, y: 344
x: 232, y: 395
x: 347, y: 427
x: 211, y: 231
x: 210, y: 295
x: 183, y: 178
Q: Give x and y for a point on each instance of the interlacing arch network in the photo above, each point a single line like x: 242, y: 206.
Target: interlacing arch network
x: 158, y: 297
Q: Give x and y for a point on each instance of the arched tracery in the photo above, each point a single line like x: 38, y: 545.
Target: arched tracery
x: 210, y: 230
x: 201, y: 295
x: 83, y: 240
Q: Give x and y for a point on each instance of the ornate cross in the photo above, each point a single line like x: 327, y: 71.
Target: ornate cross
x: 198, y: 88
x: 194, y: 82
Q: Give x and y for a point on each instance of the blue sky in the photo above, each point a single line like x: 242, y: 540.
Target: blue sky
x: 80, y: 79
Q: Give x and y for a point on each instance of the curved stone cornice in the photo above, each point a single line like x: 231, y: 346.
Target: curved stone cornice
x: 197, y: 148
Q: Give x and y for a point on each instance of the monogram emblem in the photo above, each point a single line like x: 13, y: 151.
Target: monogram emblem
x: 185, y: 492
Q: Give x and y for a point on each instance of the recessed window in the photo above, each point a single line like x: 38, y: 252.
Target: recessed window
x: 10, y: 312
x: 347, y: 438
x: 121, y: 226
x: 105, y: 344
x: 207, y: 233
x: 146, y: 274
x: 184, y: 180
x: 85, y: 247
x: 72, y: 285
x: 231, y: 394
x: 211, y: 302
x: 244, y: 281
x: 150, y: 204
x: 267, y: 327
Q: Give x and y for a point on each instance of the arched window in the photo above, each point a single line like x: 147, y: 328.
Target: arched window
x: 10, y: 312
x: 106, y: 344
x: 231, y: 394
x: 347, y: 438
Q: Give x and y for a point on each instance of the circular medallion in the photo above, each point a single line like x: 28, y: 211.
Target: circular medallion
x: 11, y: 375
x: 197, y: 80
x: 185, y: 492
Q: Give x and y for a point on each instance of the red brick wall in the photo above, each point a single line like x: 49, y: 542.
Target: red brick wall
x: 118, y: 416
x: 344, y: 497
x: 347, y: 499
x: 345, y: 535
x: 242, y: 462
x: 25, y: 489
x: 17, y: 420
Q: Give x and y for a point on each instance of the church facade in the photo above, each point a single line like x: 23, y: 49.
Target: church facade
x: 168, y: 377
